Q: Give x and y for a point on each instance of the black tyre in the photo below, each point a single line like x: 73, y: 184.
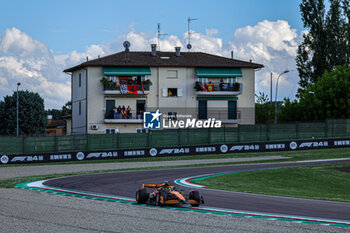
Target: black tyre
x: 141, y: 196
x: 194, y: 195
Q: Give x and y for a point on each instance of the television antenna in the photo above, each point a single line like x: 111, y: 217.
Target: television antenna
x: 126, y: 45
x: 189, y: 46
x: 159, y: 35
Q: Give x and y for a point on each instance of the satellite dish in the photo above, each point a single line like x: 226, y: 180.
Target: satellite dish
x: 126, y: 44
x: 189, y: 46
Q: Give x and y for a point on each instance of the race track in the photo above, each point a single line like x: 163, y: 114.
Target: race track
x: 124, y: 184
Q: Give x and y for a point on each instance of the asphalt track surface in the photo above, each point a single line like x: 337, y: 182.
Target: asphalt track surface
x: 125, y: 184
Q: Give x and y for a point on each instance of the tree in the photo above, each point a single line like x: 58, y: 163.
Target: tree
x: 329, y: 97
x: 58, y: 114
x: 31, y: 114
x: 326, y: 44
x: 290, y: 111
x: 263, y: 109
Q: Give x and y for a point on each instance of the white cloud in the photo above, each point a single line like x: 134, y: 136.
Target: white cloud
x: 273, y: 44
x: 24, y: 59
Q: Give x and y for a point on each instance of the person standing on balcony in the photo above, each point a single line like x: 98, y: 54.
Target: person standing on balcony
x: 123, y: 112
x: 119, y: 112
x: 221, y: 84
x: 115, y: 112
x: 128, y: 112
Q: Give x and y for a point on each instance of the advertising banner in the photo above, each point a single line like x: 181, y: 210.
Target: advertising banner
x: 175, y: 151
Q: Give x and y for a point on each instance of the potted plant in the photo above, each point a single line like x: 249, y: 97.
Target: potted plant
x: 198, y: 86
x: 236, y: 86
x: 107, y: 83
x: 147, y: 82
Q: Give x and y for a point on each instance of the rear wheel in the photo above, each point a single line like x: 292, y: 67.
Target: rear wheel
x: 194, y: 195
x: 141, y: 196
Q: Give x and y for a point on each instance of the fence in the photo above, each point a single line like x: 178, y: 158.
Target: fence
x: 176, y: 137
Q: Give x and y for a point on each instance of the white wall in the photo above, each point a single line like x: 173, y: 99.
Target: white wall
x: 79, y: 98
x: 96, y: 100
x: 246, y: 101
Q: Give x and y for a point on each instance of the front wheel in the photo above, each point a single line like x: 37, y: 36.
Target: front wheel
x: 194, y: 195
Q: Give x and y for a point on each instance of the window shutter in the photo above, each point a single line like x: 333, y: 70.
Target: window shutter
x: 165, y: 92
x: 179, y: 92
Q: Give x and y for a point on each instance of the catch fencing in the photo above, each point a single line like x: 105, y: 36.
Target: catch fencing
x: 339, y: 128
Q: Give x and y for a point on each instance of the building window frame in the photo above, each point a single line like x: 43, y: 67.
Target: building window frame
x: 172, y: 116
x: 111, y: 130
x: 141, y: 130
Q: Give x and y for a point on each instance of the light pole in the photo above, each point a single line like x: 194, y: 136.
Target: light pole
x: 284, y: 72
x: 18, y: 84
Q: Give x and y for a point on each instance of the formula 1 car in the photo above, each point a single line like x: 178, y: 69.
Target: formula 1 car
x: 164, y: 194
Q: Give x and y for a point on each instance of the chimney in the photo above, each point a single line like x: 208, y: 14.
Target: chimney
x: 49, y: 119
x: 231, y: 54
x: 177, y: 51
x: 154, y: 49
x: 250, y: 61
x: 127, y: 57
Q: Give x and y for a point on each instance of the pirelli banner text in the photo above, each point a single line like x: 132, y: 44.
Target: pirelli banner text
x: 175, y: 151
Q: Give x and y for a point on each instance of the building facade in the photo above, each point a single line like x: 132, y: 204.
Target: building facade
x: 178, y: 84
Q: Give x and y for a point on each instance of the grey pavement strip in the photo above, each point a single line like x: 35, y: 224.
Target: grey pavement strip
x: 11, y: 172
x: 32, y: 211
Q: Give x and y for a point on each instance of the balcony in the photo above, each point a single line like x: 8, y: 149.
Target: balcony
x: 218, y: 89
x: 129, y: 88
x: 133, y: 117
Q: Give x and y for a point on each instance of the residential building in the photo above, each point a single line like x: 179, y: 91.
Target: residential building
x: 177, y: 83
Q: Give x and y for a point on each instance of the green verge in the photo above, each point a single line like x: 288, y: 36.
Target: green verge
x: 322, y: 182
x: 293, y: 156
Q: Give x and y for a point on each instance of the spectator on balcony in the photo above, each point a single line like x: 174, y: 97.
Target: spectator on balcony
x: 119, y: 112
x: 128, y: 112
x: 221, y: 84
x: 115, y: 112
x: 123, y: 112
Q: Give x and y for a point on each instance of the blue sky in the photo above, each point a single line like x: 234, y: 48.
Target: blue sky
x: 73, y: 25
x: 39, y: 39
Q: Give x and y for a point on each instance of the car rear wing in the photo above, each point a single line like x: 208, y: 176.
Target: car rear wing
x: 151, y: 186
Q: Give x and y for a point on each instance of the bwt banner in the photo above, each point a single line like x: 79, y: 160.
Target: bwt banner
x: 176, y: 151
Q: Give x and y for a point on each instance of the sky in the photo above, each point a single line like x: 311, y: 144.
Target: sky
x: 39, y: 39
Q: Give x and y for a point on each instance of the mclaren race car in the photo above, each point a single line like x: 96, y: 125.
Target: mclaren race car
x: 165, y: 194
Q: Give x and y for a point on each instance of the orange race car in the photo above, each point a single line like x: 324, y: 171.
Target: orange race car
x: 165, y: 194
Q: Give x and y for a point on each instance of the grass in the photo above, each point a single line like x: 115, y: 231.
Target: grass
x: 315, y: 182
x: 293, y: 156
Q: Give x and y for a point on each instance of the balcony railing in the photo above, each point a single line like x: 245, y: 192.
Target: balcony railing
x: 128, y: 117
x: 219, y: 88
x: 126, y: 89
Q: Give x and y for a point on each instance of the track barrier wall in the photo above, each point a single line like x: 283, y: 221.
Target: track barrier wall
x: 29, y: 148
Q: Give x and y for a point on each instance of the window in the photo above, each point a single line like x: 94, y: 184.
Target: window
x: 79, y: 79
x: 172, y: 116
x: 172, y: 92
x: 79, y: 107
x: 231, y: 80
x: 203, y: 80
x: 140, y: 130
x: 172, y: 74
x: 112, y: 131
x: 113, y: 79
